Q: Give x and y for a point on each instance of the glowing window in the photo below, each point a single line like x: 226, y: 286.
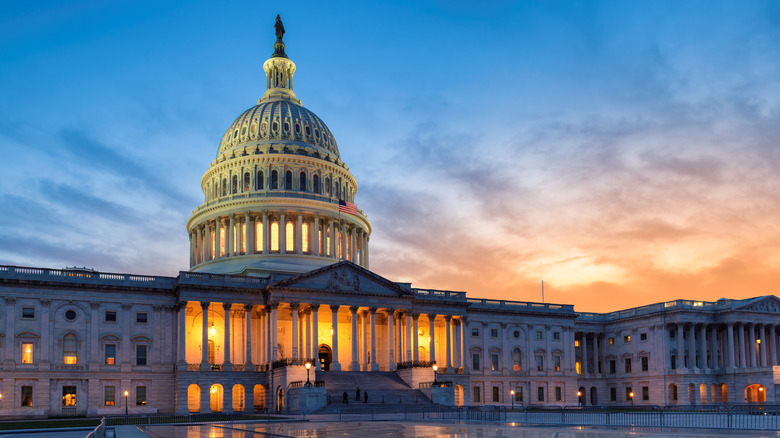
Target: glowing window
x: 289, y: 240
x: 259, y: 237
x: 275, y: 236
x: 69, y: 349
x: 327, y: 242
x: 319, y: 239
x: 243, y: 239
x: 518, y: 366
x: 305, y: 237
x: 578, y: 367
x: 576, y: 343
x: 221, y: 241
x: 110, y: 354
x: 109, y: 395
x: 213, y: 243
x: 27, y: 352
x: 140, y: 396
x: 68, y: 396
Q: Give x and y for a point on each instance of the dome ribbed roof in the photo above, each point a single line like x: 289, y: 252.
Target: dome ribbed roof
x: 278, y: 120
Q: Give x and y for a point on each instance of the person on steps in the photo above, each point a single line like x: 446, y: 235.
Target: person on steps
x: 357, y: 394
x: 344, y: 398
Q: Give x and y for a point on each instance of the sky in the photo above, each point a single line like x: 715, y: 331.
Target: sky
x: 622, y: 152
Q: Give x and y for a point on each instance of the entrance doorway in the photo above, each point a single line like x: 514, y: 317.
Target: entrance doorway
x: 325, y: 356
x: 755, y: 393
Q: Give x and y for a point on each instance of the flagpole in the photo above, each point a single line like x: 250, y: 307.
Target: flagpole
x: 341, y: 253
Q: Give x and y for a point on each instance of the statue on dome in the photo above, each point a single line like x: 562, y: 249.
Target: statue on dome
x: 279, y: 27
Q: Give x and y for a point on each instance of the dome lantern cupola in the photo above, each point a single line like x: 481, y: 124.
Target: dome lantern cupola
x: 272, y: 195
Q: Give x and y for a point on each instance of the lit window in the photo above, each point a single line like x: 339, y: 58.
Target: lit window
x: 69, y: 349
x: 327, y: 243
x: 275, y: 236
x: 221, y: 241
x: 626, y: 339
x: 243, y: 239
x: 289, y: 237
x: 68, y: 396
x: 109, y: 395
x: 27, y: 353
x: 611, y: 341
x: 212, y: 244
x: 319, y: 240
x: 557, y: 363
x: 259, y: 237
x: 111, y: 354
x: 578, y: 367
x: 576, y: 342
x: 27, y: 396
x: 494, y: 362
x: 516, y: 357
x: 305, y: 237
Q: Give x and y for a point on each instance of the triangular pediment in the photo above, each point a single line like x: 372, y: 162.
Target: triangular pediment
x: 767, y: 304
x: 343, y: 276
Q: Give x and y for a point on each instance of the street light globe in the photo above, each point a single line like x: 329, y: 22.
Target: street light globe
x: 308, y: 365
x: 435, y: 368
x: 631, y: 394
x: 512, y: 392
x: 579, y: 393
x: 126, y: 393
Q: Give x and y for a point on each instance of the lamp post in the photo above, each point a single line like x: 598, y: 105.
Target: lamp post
x: 579, y: 398
x: 512, y: 392
x: 631, y: 396
x: 435, y: 368
x: 308, y: 367
x: 126, y: 394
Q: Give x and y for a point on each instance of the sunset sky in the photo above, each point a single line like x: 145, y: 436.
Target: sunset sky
x: 625, y: 152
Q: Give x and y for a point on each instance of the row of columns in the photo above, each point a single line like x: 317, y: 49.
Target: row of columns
x: 305, y: 336
x: 240, y: 229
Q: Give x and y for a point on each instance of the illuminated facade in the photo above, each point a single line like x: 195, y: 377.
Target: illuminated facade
x: 279, y: 277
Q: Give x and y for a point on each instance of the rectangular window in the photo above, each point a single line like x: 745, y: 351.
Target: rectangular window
x: 494, y: 362
x: 645, y: 364
x: 643, y: 336
x: 495, y: 394
x: 493, y: 333
x: 476, y: 395
x: 539, y: 362
x: 540, y: 393
x: 68, y: 396
x: 558, y: 394
x: 141, y: 318
x: 611, y: 341
x: 629, y: 393
x: 539, y: 335
x: 475, y: 361
x: 519, y: 394
x: 110, y: 316
x: 557, y: 363
x: 576, y: 342
x: 140, y: 396
x: 628, y: 365
x: 109, y: 395
x: 578, y: 367
x: 556, y: 336
x: 673, y: 364
x: 671, y: 334
x: 626, y: 339
x: 27, y: 352
x: 140, y: 355
x: 612, y: 366
x: 645, y: 393
x: 111, y: 354
x: 27, y: 396
x: 28, y: 312
x: 674, y: 392
x: 612, y: 394
x: 475, y: 332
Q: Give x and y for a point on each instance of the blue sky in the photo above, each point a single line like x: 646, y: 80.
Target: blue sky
x: 624, y: 152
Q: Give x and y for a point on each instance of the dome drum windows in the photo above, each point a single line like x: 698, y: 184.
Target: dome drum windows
x: 316, y: 184
x: 274, y: 180
x: 288, y: 181
x: 302, y: 182
x: 224, y: 186
x: 246, y: 181
x: 259, y: 180
x: 235, y: 184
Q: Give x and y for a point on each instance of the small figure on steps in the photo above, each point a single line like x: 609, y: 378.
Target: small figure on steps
x: 357, y: 394
x: 365, y: 396
x: 345, y: 399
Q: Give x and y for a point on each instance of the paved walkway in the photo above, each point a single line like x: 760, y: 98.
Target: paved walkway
x: 128, y: 432
x: 421, y: 429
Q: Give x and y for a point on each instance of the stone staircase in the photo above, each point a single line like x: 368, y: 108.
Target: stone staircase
x: 384, y: 389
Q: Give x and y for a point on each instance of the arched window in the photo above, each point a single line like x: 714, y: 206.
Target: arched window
x: 289, y: 237
x: 274, y: 180
x: 246, y: 181
x: 259, y: 237
x: 327, y: 186
x: 274, y: 236
x: 305, y: 237
x: 518, y: 366
x: 224, y: 186
x: 235, y: 184
x: 338, y: 190
x: 70, y: 348
x: 259, y: 180
x: 288, y: 180
x: 302, y: 182
x: 316, y: 184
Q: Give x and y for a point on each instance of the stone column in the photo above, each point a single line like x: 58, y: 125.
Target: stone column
x: 204, y: 341
x: 274, y: 332
x: 364, y: 337
x: 299, y: 234
x: 448, y: 328
x: 584, y: 353
x: 691, y: 347
x: 366, y: 259
x: 432, y: 333
x: 352, y: 251
x: 208, y: 241
x: 198, y: 243
x: 227, y: 363
x: 391, y: 365
x: 374, y: 364
x: 741, y: 346
x: 231, y: 237
x: 282, y: 234
x: 217, y: 238
x: 703, y: 347
x: 127, y: 336
x: 415, y: 337
x: 315, y: 240
x: 265, y: 232
x: 355, y: 365
x: 333, y: 238
x: 307, y: 351
x: 315, y: 336
x: 182, y: 308
x: 249, y: 233
x: 680, y: 348
x: 461, y: 343
x: 714, y: 347
x: 262, y: 345
x: 408, y: 337
x: 94, y: 350
x: 248, y: 365
x: 295, y: 335
x: 752, y: 345
x: 729, y: 356
x: 335, y: 365
x: 762, y: 347
x: 268, y: 349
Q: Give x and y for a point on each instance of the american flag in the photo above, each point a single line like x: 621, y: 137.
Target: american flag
x: 347, y: 207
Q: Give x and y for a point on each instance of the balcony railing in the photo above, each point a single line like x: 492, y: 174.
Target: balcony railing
x: 437, y: 384
x: 281, y: 363
x: 414, y: 364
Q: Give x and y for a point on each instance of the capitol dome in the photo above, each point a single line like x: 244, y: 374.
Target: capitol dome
x: 277, y: 197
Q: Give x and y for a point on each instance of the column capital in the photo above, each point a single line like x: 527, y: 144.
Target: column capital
x: 180, y: 305
x: 273, y: 305
x: 354, y: 309
x: 431, y: 316
x: 126, y: 306
x: 334, y: 307
x: 448, y: 318
x: 415, y: 315
x: 294, y: 306
x: 96, y: 304
x: 314, y: 307
x: 373, y: 310
x: 390, y: 311
x: 204, y: 304
x: 227, y: 306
